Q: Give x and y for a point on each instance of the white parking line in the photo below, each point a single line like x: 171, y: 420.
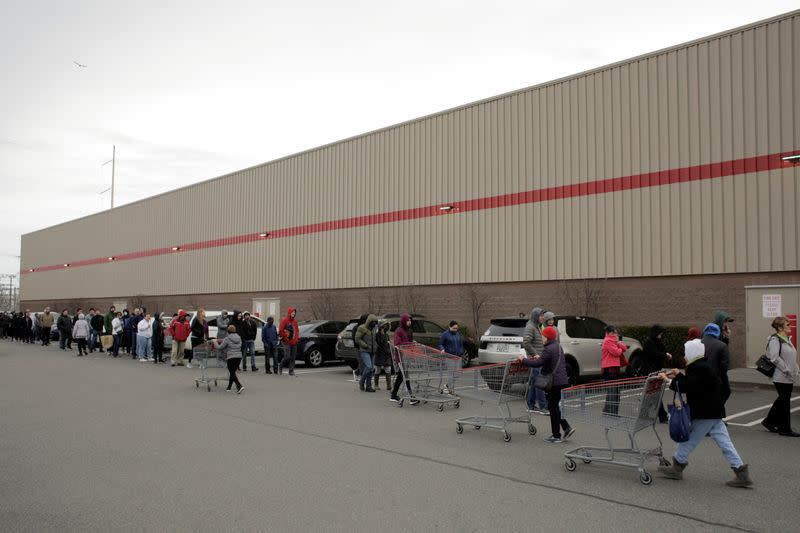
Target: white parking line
x: 754, y: 422
x: 319, y: 370
x: 755, y: 410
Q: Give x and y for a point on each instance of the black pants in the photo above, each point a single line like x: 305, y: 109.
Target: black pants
x: 45, y: 336
x: 612, y: 395
x: 63, y: 340
x: 397, y: 382
x: 233, y: 366
x: 81, y: 346
x: 553, y: 405
x: 779, y: 415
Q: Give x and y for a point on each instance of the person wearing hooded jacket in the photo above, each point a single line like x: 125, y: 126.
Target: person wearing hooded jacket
x: 722, y: 319
x: 533, y: 345
x: 231, y: 347
x: 551, y: 361
x: 718, y: 357
x: 64, y: 325
x: 654, y: 358
x: 402, y: 335
x: 248, y: 329
x: 383, y: 355
x: 271, y: 341
x: 289, y: 332
x: 707, y: 409
x: 179, y: 330
x: 365, y: 342
x: 80, y: 332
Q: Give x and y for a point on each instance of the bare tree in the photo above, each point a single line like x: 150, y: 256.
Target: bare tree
x: 373, y: 302
x: 324, y: 305
x: 395, y: 302
x: 415, y: 300
x: 135, y: 301
x: 476, y: 299
x: 584, y: 295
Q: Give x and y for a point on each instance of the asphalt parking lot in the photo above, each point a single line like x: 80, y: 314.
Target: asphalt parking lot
x: 97, y: 444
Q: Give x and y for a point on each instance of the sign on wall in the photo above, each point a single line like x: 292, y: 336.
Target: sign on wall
x: 771, y: 305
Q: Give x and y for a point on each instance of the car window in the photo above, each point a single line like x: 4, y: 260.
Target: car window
x: 212, y: 323
x: 576, y: 328
x: 329, y: 327
x: 416, y: 326
x: 431, y: 327
x: 595, y: 329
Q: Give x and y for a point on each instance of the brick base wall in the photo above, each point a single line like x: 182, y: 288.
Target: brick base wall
x: 678, y: 300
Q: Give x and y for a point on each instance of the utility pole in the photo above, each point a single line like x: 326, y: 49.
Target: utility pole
x: 113, y: 162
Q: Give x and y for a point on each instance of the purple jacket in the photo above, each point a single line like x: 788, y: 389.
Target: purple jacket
x: 552, y: 356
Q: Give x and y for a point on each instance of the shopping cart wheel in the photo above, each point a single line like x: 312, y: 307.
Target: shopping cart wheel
x: 506, y: 436
x: 664, y: 462
x: 477, y: 427
x: 570, y: 465
x: 459, y: 429
x: 531, y: 429
x: 400, y: 403
x: 645, y: 478
x: 440, y: 407
x: 588, y: 461
x: 457, y: 404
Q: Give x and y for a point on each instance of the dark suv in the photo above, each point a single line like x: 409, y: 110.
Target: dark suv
x: 425, y: 332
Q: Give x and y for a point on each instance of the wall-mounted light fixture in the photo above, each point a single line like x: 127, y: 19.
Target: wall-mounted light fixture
x: 794, y: 159
x: 66, y: 264
x: 110, y: 258
x: 176, y: 248
x: 446, y: 208
x: 31, y: 269
x: 264, y: 234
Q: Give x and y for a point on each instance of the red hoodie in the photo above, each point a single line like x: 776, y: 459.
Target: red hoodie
x: 288, y: 329
x: 403, y: 334
x: 180, y: 331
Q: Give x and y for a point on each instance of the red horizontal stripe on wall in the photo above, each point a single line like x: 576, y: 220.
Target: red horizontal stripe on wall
x: 591, y: 188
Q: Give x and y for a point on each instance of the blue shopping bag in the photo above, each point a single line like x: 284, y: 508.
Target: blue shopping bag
x: 680, y: 418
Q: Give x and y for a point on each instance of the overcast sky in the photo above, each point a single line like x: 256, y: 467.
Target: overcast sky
x: 189, y: 90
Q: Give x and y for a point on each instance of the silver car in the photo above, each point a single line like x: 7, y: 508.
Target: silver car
x: 581, y: 338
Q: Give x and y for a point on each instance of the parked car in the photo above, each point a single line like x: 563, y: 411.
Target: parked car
x: 318, y: 341
x: 425, y: 332
x: 581, y: 338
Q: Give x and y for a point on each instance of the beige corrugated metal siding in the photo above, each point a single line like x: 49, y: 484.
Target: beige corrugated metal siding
x: 728, y: 97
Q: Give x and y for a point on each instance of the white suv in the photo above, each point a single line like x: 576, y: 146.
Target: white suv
x: 211, y: 319
x: 581, y: 338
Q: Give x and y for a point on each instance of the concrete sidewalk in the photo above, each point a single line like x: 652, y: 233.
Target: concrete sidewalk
x: 748, y: 377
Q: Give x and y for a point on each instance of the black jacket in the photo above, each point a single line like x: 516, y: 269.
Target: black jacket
x: 654, y: 355
x: 702, y: 389
x: 64, y: 324
x: 719, y: 359
x: 248, y: 329
x: 198, y: 331
x: 383, y: 353
x: 98, y: 322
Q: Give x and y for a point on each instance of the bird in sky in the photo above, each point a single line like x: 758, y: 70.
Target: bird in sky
x: 79, y: 65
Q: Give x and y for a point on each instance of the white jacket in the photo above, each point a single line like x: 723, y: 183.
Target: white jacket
x: 145, y: 328
x: 116, y: 326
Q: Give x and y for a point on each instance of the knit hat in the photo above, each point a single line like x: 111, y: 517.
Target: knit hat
x: 549, y: 333
x: 693, y: 350
x: 712, y: 329
x: 693, y: 333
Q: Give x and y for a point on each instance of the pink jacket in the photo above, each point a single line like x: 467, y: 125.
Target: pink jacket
x: 613, y: 352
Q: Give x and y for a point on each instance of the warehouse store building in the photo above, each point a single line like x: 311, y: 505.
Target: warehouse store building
x: 657, y: 189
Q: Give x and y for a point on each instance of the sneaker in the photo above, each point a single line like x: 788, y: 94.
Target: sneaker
x: 771, y: 429
x: 413, y: 402
x: 151, y: 360
x: 544, y: 412
x: 228, y: 390
x: 143, y: 360
x: 552, y: 440
x: 173, y: 364
x: 394, y: 399
x: 254, y: 369
x: 188, y: 365
x: 568, y: 433
x: 240, y: 390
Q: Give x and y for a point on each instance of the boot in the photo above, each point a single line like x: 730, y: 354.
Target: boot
x: 673, y: 471
x: 388, y: 382
x: 377, y: 380
x: 742, y: 479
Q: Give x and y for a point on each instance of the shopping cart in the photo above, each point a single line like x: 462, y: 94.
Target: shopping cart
x: 498, y: 385
x: 430, y: 375
x: 627, y: 406
x: 207, y: 358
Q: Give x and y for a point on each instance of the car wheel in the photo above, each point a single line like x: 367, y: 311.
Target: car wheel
x: 314, y: 357
x: 635, y: 365
x: 572, y: 373
x: 465, y: 360
x: 353, y: 364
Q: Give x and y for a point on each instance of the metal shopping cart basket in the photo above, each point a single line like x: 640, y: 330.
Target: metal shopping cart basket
x: 627, y: 406
x: 496, y: 386
x: 207, y: 358
x: 430, y: 375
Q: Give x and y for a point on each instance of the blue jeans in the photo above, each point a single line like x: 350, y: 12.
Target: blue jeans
x: 115, y: 346
x: 715, y: 428
x: 92, y: 339
x: 536, y: 397
x: 143, y: 347
x: 367, y: 369
x: 271, y: 351
x: 248, y: 347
